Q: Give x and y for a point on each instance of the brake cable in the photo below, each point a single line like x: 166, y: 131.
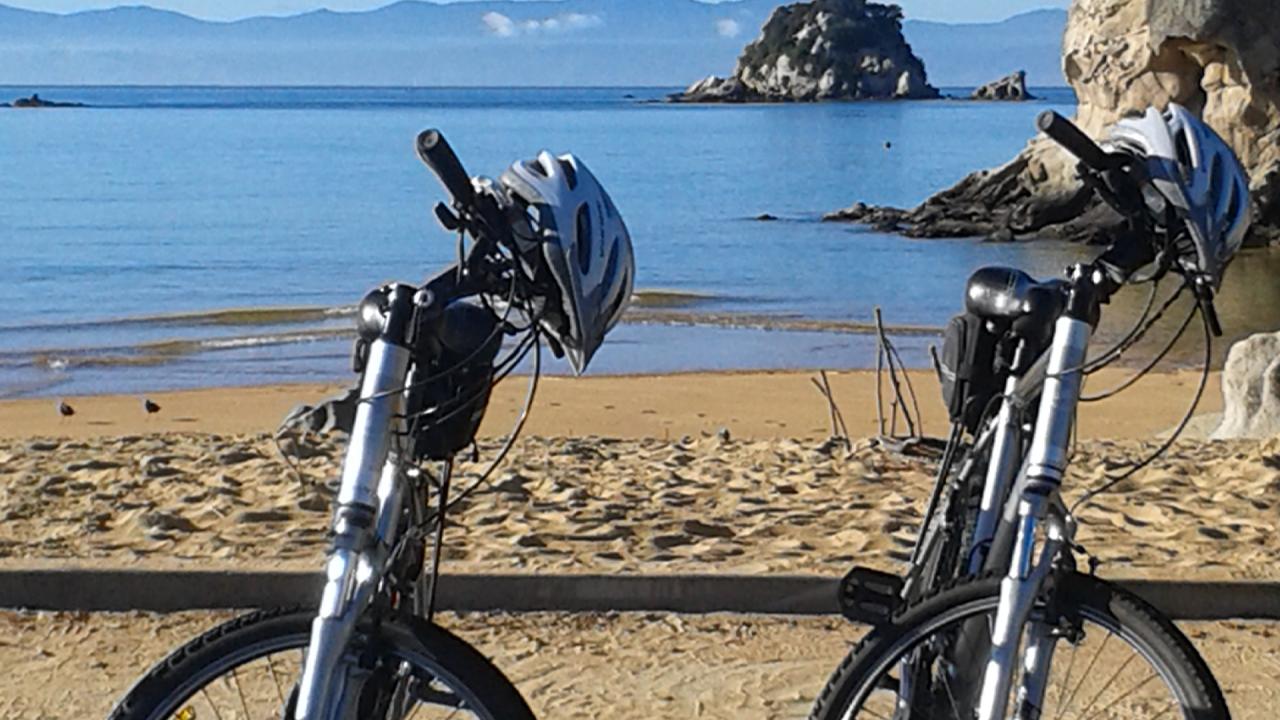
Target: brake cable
x: 1148, y: 367
x: 1173, y: 436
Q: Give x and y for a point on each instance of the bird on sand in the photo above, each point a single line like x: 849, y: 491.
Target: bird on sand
x: 150, y: 406
x: 65, y: 410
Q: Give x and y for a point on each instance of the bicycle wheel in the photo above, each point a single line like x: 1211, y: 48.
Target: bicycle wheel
x: 246, y: 669
x: 1124, y: 660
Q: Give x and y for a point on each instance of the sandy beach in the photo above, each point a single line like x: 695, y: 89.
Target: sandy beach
x: 712, y: 473
x: 625, y: 666
x: 781, y: 404
x: 655, y: 487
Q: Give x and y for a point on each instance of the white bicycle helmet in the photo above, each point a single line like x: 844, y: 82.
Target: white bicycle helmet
x: 1196, y: 172
x: 585, y: 245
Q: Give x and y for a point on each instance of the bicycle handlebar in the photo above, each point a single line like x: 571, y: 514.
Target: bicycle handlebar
x: 1065, y: 133
x: 434, y: 150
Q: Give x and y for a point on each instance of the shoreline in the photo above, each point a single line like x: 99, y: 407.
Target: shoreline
x: 750, y: 403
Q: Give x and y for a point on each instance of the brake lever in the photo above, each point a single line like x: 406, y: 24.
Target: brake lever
x: 1204, y: 298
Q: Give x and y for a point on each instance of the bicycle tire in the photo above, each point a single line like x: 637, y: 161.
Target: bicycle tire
x: 1185, y: 673
x: 195, y: 666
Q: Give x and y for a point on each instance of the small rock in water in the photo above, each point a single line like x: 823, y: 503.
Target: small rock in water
x: 766, y: 217
x: 263, y: 516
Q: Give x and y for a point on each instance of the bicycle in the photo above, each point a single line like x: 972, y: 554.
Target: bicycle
x: 428, y: 357
x: 994, y: 590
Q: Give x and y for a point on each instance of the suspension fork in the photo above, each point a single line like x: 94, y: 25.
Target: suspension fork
x: 365, y: 521
x: 1046, y: 463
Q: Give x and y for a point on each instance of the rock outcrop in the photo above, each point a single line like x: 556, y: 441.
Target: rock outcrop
x: 1251, y: 389
x: 1219, y: 58
x: 1010, y: 87
x: 35, y: 101
x: 822, y: 50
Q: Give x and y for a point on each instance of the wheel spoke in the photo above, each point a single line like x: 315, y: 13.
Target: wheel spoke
x: 1085, y: 675
x: 212, y: 707
x: 271, y: 667
x: 951, y: 698
x: 1127, y: 693
x: 1110, y: 681
x: 235, y: 682
x: 1066, y: 681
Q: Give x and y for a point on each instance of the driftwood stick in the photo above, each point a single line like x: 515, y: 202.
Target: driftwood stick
x: 838, y: 430
x: 879, y: 383
x: 911, y: 392
x: 839, y: 416
x: 898, y: 399
x: 883, y: 341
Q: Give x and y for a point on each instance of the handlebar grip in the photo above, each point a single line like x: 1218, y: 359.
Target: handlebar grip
x: 434, y: 150
x: 1065, y: 133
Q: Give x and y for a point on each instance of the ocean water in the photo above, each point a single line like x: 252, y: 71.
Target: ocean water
x: 176, y: 237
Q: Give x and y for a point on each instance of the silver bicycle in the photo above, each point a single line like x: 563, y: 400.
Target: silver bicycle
x: 428, y: 362
x: 993, y: 619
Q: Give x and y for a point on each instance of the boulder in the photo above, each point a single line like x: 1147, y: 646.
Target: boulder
x: 1251, y: 389
x: 822, y: 50
x: 1009, y: 87
x: 1219, y: 58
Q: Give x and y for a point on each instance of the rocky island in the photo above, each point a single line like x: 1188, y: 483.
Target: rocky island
x: 1218, y: 58
x: 35, y: 101
x: 1009, y: 87
x: 822, y: 50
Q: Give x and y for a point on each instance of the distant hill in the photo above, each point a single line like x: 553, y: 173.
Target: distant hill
x: 975, y: 53
x: 568, y: 42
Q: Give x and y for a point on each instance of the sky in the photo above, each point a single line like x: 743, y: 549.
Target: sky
x: 942, y: 10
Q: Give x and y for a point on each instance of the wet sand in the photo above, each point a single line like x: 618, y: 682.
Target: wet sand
x: 751, y: 404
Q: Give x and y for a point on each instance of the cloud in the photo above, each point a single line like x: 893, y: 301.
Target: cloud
x: 503, y: 26
x: 728, y: 28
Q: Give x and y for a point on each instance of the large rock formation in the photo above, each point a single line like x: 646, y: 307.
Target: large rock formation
x: 1219, y: 58
x: 822, y: 50
x: 1010, y: 87
x: 1251, y: 389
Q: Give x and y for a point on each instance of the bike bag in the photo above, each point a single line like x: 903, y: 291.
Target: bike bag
x: 452, y: 379
x: 967, y: 369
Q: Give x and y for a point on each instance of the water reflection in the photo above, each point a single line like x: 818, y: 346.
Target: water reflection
x: 1248, y: 303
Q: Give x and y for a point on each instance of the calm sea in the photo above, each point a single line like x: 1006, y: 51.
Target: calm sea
x: 176, y: 237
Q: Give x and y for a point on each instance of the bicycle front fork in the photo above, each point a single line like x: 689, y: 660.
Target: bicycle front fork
x: 364, y: 526
x: 1037, y: 506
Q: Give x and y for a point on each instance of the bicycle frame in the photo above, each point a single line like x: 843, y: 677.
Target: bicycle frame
x: 369, y: 503
x: 1039, y: 504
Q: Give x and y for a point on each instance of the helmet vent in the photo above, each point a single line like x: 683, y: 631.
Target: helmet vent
x: 571, y: 175
x: 584, y: 242
x: 1184, y: 154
